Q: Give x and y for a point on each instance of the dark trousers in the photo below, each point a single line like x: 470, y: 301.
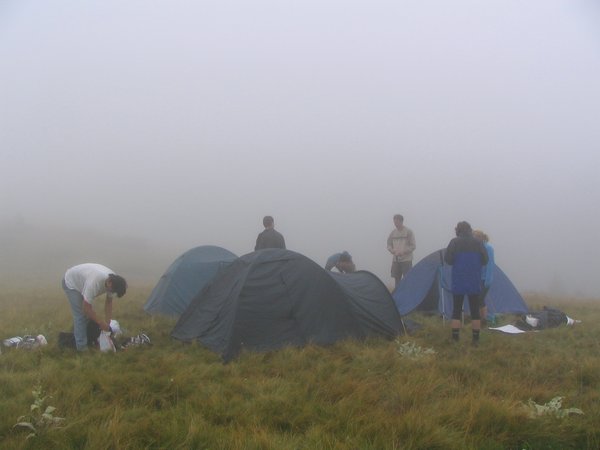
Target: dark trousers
x: 473, y: 306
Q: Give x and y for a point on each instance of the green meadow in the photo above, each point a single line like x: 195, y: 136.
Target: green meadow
x: 419, y: 392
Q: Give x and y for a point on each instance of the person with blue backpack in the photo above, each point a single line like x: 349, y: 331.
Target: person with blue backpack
x: 467, y: 256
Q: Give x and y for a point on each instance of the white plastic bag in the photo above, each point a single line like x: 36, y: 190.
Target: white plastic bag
x: 105, y: 342
x: 533, y: 321
x: 116, y: 328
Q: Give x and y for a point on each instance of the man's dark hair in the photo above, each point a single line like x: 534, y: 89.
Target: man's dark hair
x: 399, y: 217
x: 118, y: 283
x: 463, y: 228
x: 268, y: 221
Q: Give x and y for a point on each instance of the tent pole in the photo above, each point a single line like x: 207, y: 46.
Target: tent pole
x: 442, y: 300
x: 403, y: 327
x: 441, y: 288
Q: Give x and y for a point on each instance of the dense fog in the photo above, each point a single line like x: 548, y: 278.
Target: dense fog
x: 140, y: 129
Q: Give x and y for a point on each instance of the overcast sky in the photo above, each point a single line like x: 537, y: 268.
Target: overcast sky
x: 184, y: 122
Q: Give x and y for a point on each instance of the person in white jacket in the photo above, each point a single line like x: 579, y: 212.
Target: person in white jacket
x: 82, y: 284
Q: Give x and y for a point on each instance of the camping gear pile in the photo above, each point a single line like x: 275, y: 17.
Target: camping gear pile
x: 538, y: 320
x: 28, y: 342
x: 105, y: 341
x: 139, y: 340
x: 546, y: 318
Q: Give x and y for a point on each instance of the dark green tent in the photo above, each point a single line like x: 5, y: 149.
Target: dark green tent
x: 274, y: 297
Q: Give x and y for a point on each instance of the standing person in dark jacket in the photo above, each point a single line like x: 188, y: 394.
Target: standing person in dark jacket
x: 467, y: 256
x: 269, y: 238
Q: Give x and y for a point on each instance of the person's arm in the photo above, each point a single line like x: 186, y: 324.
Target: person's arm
x: 484, y: 255
x: 108, y: 309
x: 390, y: 244
x: 449, y: 254
x: 489, y: 268
x: 412, y: 244
x: 256, y: 247
x: 89, y: 312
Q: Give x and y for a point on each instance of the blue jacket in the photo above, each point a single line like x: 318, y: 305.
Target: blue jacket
x: 467, y: 256
x: 487, y: 271
x: 332, y: 261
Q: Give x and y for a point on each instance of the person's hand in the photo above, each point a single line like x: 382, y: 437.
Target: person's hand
x: 104, y: 326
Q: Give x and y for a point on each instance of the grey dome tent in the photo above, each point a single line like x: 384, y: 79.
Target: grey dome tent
x: 185, y: 277
x: 272, y: 298
x: 426, y: 287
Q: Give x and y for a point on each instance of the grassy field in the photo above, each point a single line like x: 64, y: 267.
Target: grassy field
x: 370, y: 395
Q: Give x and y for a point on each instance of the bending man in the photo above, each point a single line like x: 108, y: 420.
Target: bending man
x: 82, y: 284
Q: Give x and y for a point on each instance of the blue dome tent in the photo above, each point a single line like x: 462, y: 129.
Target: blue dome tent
x: 427, y: 288
x: 185, y: 277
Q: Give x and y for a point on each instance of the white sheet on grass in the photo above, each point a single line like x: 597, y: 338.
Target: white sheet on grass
x: 511, y: 329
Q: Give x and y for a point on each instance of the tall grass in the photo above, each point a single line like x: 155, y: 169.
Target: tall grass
x: 352, y: 395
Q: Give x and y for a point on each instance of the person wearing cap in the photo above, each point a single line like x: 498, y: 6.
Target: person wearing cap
x: 269, y: 237
x: 342, y: 262
x: 401, y: 244
x: 467, y: 256
x: 82, y: 284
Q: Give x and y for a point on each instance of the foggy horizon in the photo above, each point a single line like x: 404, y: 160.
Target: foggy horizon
x: 184, y: 123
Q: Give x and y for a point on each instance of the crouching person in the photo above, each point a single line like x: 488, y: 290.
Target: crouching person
x: 82, y: 284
